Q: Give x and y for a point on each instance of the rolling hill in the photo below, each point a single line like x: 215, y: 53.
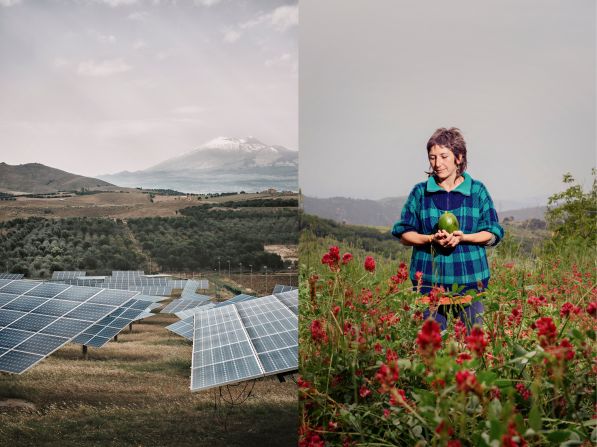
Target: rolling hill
x: 35, y: 178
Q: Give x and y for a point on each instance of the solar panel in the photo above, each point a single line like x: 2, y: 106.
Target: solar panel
x: 177, y: 283
x: 182, y: 314
x: 180, y: 304
x: 127, y: 273
x: 38, y: 318
x: 290, y: 299
x: 61, y: 275
x: 279, y: 288
x: 235, y: 299
x: 184, y: 327
x: 273, y: 330
x: 152, y: 290
x: 11, y: 275
x: 101, y: 332
x: 242, y: 341
x: 91, y: 281
x: 222, y: 352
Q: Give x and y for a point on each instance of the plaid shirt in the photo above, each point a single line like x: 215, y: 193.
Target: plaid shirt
x: 466, y: 264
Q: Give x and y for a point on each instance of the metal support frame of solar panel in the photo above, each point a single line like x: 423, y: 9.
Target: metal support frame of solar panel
x: 279, y: 288
x: 290, y: 299
x: 222, y: 351
x: 273, y: 330
x: 104, y: 330
x: 11, y: 275
x: 38, y: 318
x: 61, y: 275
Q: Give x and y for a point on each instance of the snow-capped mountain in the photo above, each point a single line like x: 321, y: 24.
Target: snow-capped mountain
x: 231, y: 153
x: 221, y: 165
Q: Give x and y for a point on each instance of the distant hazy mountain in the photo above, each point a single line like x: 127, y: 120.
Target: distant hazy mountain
x: 220, y: 165
x: 385, y: 212
x: 37, y: 178
x: 382, y: 212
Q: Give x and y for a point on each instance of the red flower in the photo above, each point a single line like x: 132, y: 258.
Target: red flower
x: 454, y: 443
x: 318, y: 333
x: 459, y: 330
x: 364, y: 391
x: 547, y: 331
x: 369, y: 264
x: 429, y: 338
x: 512, y: 438
x: 346, y: 258
x: 419, y: 277
x: 466, y: 381
x: 387, y: 376
x: 332, y: 258
x: 592, y: 308
x: 476, y: 341
x: 568, y: 308
x: 302, y: 383
x: 463, y: 357
x: 523, y: 391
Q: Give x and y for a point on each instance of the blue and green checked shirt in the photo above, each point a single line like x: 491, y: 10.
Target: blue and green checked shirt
x: 466, y: 264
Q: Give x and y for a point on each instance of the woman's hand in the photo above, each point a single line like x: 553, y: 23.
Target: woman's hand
x: 445, y: 239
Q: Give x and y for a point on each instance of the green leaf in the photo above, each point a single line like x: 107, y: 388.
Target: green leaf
x: 535, y: 420
x: 558, y: 435
x: 487, y: 377
x: 496, y: 429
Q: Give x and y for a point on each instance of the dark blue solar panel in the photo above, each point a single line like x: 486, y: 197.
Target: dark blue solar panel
x: 42, y: 344
x: 25, y: 303
x: 17, y: 362
x: 55, y: 307
x: 78, y: 294
x: 9, y: 338
x: 19, y: 287
x: 90, y: 312
x: 6, y: 298
x: 32, y: 322
x: 8, y: 316
x: 48, y: 290
x: 112, y: 297
x: 65, y: 327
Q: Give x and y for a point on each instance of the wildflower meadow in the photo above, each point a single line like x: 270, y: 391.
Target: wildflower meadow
x: 374, y: 372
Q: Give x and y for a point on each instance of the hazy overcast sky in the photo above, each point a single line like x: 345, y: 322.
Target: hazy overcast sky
x: 378, y: 77
x: 99, y: 86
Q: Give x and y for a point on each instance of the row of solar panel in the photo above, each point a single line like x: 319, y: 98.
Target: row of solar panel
x: 38, y: 318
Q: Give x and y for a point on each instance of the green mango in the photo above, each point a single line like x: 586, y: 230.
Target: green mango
x: 448, y: 222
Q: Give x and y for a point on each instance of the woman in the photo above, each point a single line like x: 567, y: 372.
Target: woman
x: 458, y: 258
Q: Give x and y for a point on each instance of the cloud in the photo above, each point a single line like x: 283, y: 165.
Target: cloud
x: 116, y: 3
x: 231, y: 36
x: 60, y: 62
x: 284, y: 17
x: 281, y: 18
x: 206, y: 2
x: 284, y: 59
x: 104, y: 68
x: 139, y: 44
x: 106, y: 39
x: 188, y: 110
x: 138, y: 16
x: 9, y: 3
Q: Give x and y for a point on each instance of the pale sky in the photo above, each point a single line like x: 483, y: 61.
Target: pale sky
x: 100, y: 86
x: 377, y: 78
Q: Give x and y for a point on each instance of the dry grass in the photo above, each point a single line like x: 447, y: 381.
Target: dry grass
x: 136, y: 392
x: 120, y: 205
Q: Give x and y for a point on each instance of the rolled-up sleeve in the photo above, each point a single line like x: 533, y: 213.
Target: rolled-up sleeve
x: 409, y: 219
x: 488, y: 219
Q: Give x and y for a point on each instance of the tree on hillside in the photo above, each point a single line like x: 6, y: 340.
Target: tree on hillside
x: 571, y: 214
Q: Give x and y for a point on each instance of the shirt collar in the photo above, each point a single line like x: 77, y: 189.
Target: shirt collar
x: 464, y: 188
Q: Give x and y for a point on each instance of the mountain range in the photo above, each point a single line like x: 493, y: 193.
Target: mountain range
x: 221, y: 165
x: 384, y: 212
x: 35, y: 178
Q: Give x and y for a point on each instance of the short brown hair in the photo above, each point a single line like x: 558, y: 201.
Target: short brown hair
x: 452, y: 139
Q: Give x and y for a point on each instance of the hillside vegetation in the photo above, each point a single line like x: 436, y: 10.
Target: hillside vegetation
x: 233, y: 230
